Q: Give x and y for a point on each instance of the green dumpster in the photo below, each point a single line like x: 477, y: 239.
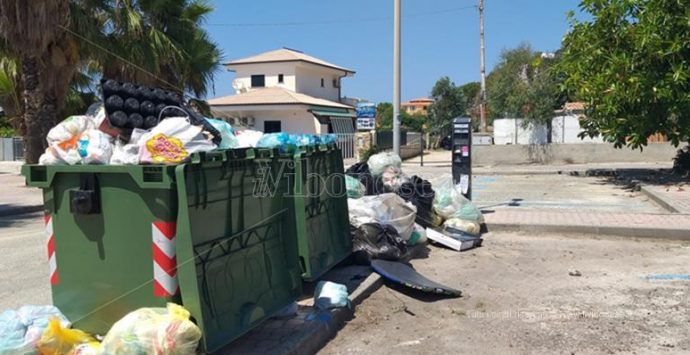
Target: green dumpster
x: 201, y: 234
x: 320, y: 207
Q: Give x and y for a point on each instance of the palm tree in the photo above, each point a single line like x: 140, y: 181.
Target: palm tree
x: 62, y: 46
x: 160, y: 43
x: 34, y: 31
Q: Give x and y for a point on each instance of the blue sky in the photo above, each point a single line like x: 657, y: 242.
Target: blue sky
x: 440, y: 37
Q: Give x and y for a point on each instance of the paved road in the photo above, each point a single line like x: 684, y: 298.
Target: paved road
x: 23, y: 263
x: 518, y: 298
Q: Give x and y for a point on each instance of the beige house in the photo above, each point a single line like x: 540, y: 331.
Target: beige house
x: 419, y: 105
x: 286, y: 91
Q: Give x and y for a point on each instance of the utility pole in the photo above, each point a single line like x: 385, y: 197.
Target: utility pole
x: 482, y: 69
x: 396, y: 77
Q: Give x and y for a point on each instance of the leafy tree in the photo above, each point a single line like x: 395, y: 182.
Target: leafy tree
x: 525, y: 85
x: 384, y: 116
x: 410, y: 123
x: 470, y: 91
x: 630, y: 64
x: 508, y: 82
x: 165, y: 39
x: 544, y: 94
x: 449, y: 102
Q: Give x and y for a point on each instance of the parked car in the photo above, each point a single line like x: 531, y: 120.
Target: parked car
x: 447, y: 143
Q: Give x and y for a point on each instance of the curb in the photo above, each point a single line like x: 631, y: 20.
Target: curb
x: 308, y: 335
x: 658, y: 199
x: 13, y: 211
x: 526, y: 172
x: 616, y: 231
x: 321, y: 337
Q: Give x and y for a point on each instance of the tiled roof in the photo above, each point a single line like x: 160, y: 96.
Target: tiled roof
x: 285, y: 55
x: 574, y: 106
x: 273, y: 96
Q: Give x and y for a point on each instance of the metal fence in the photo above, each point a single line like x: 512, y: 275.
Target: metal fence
x: 384, y: 139
x: 11, y: 149
x: 346, y: 143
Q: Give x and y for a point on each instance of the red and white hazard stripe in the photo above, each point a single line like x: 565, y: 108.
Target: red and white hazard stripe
x: 50, y: 243
x: 165, y: 282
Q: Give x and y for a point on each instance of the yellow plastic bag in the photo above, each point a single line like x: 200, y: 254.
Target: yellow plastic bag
x: 93, y: 348
x: 153, y: 331
x: 57, y: 340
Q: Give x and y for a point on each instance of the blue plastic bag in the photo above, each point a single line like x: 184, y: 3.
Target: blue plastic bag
x: 328, y: 138
x: 330, y: 295
x: 284, y: 142
x: 227, y: 133
x: 20, y: 330
x: 304, y: 140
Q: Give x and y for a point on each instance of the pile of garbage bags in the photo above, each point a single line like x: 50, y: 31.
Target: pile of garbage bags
x: 44, y: 330
x: 390, y: 211
x: 141, y: 125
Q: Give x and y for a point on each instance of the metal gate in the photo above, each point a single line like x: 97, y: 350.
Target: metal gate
x: 345, y: 130
x: 11, y: 149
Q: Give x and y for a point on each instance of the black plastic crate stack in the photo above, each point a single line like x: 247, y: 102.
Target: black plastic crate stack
x: 136, y: 106
x: 130, y: 106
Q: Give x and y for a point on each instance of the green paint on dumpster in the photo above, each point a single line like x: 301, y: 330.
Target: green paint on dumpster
x: 235, y: 251
x: 320, y: 208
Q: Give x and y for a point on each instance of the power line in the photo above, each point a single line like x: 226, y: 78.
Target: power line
x: 141, y: 69
x: 343, y: 21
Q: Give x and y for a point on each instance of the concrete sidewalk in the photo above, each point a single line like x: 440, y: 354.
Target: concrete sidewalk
x: 16, y: 197
x: 674, y: 198
x: 641, y: 225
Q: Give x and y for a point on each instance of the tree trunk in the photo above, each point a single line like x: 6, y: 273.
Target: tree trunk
x: 39, y: 110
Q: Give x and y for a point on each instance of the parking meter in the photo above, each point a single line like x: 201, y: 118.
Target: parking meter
x: 462, y: 154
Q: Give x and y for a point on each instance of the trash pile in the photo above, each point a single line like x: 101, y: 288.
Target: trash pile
x: 141, y: 125
x: 45, y: 330
x: 391, y: 212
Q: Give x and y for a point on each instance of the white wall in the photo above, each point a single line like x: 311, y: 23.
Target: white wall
x: 511, y: 131
x: 271, y: 71
x: 294, y: 118
x: 566, y: 128
x: 309, y: 82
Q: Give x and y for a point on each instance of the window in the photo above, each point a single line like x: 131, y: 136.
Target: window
x: 258, y: 81
x: 272, y: 126
x: 322, y: 85
x: 425, y: 108
x: 336, y: 83
x: 280, y: 78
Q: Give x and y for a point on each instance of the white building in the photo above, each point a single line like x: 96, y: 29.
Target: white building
x: 286, y: 91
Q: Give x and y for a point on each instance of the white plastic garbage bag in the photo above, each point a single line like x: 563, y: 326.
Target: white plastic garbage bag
x: 66, y: 133
x: 95, y: 147
x: 378, y: 162
x: 153, y: 331
x: 128, y: 153
x: 63, y: 141
x: 471, y: 227
x: 227, y: 134
x: 386, y: 208
x: 172, y: 141
x: 68, y: 144
x: 248, y: 138
x: 393, y: 178
x: 450, y: 203
x: 21, y: 330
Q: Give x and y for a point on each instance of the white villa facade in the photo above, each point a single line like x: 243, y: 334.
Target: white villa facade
x: 286, y: 91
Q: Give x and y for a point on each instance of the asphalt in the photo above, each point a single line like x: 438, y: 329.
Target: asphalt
x: 528, y: 201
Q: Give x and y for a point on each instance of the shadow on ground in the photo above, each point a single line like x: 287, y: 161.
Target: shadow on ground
x: 630, y: 179
x: 17, y: 219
